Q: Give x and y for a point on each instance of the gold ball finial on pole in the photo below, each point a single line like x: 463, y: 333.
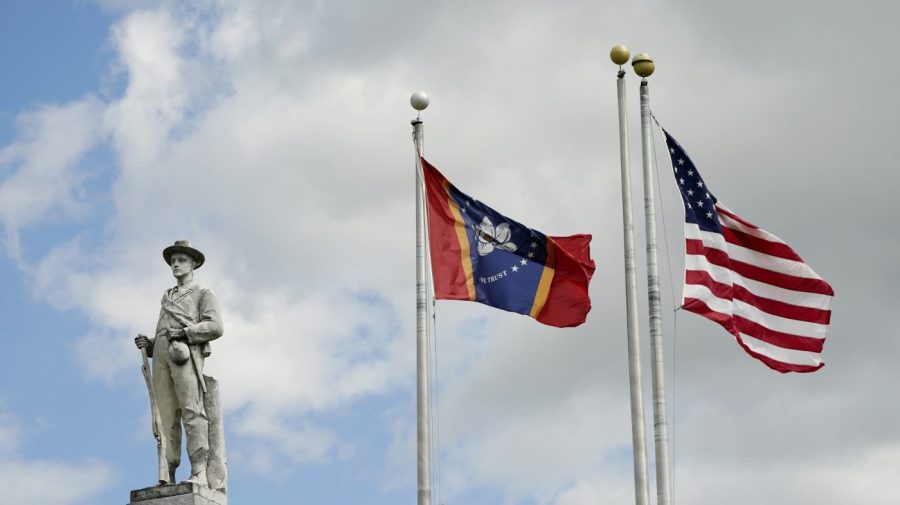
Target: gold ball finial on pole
x: 643, y: 65
x: 619, y: 54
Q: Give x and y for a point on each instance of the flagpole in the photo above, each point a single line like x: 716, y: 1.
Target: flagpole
x: 619, y: 56
x: 644, y: 66
x: 419, y: 102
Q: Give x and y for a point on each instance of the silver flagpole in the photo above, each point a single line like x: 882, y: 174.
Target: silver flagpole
x: 419, y: 101
x: 619, y: 56
x: 644, y: 66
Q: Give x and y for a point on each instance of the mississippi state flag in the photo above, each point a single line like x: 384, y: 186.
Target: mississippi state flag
x: 480, y: 255
x: 748, y: 280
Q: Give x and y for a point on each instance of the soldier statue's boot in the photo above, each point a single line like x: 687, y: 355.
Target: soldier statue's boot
x: 171, y: 476
x: 199, y: 478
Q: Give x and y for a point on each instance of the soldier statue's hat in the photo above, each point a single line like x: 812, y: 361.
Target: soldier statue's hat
x: 184, y: 246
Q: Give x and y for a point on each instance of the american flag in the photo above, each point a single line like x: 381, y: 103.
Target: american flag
x: 748, y: 280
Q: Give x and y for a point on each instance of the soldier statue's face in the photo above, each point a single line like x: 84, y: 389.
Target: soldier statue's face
x: 181, y: 264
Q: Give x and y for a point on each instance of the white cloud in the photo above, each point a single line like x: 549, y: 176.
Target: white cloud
x: 609, y: 485
x: 42, y: 178
x: 149, y: 45
x: 827, y: 480
x: 45, y: 482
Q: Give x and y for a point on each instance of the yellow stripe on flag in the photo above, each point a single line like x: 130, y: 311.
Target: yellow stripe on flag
x: 460, y: 226
x: 543, y: 290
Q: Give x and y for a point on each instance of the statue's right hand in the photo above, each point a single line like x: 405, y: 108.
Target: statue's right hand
x: 142, y: 342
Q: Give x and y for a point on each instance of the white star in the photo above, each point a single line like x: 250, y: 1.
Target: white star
x: 463, y: 209
x: 672, y: 150
x: 699, y: 184
x: 524, y: 262
x: 700, y: 203
x: 515, y: 268
x: 681, y: 181
x: 533, y: 245
x: 681, y: 162
x: 530, y: 255
x: 690, y: 172
x: 708, y: 197
x: 468, y: 203
x: 708, y: 214
x: 690, y: 192
x: 689, y: 206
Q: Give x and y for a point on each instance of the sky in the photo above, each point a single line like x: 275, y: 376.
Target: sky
x: 275, y: 135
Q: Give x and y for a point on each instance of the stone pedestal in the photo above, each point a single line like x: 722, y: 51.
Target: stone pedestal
x: 178, y: 494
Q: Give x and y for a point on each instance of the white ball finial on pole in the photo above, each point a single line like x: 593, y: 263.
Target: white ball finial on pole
x: 419, y: 100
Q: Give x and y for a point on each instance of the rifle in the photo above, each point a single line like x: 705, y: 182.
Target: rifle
x: 159, y: 433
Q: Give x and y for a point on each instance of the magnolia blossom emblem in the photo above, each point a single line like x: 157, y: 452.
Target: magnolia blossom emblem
x: 490, y: 237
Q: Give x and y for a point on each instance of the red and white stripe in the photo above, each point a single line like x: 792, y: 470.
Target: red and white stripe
x: 760, y: 290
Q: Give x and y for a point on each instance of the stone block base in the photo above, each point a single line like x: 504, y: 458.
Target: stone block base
x: 178, y: 494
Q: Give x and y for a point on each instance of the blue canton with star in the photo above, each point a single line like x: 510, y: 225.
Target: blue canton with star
x: 699, y: 202
x: 507, y: 257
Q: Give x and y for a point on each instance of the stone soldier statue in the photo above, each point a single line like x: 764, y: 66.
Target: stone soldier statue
x: 188, y: 320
